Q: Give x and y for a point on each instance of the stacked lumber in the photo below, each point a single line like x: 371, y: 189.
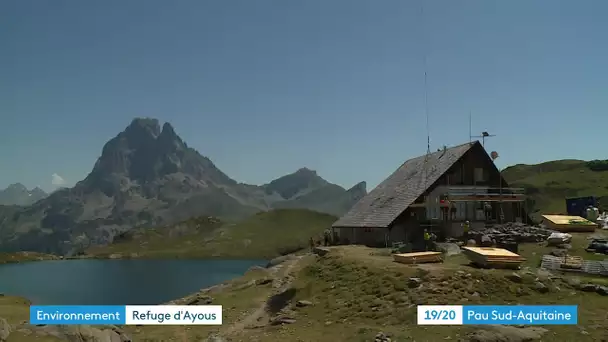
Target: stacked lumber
x: 490, y: 257
x: 418, y: 258
x: 564, y: 223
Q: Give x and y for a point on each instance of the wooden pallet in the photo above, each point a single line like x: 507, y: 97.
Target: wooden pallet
x: 595, y: 267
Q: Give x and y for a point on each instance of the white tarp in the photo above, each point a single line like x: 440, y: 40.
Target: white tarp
x: 559, y: 238
x: 603, y: 221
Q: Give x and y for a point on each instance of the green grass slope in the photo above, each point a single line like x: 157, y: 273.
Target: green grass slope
x: 353, y: 293
x: 264, y: 235
x: 549, y: 184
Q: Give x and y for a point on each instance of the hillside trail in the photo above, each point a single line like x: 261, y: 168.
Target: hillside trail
x: 283, y: 283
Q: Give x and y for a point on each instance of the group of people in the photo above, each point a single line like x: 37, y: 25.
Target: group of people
x: 430, y: 237
x: 326, y: 240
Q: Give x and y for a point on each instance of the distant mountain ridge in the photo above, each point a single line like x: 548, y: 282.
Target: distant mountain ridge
x: 147, y: 175
x: 18, y: 194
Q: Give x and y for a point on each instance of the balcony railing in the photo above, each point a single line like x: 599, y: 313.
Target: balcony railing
x: 489, y: 194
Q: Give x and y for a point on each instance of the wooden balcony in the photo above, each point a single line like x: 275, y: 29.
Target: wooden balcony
x: 485, y: 194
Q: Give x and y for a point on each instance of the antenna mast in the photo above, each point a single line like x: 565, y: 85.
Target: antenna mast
x: 470, y: 128
x: 426, y: 97
x: 483, y: 137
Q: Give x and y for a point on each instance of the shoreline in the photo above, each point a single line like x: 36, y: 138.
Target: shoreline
x: 185, y: 299
x: 22, y: 257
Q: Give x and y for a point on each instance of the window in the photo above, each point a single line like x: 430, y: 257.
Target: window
x: 461, y: 210
x: 456, y: 177
x: 479, y: 175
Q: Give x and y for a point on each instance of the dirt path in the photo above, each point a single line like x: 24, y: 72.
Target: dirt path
x: 280, y: 285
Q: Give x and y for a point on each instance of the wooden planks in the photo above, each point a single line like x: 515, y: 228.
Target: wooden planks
x: 418, y: 257
x: 565, y: 223
x: 493, y: 257
x: 491, y: 251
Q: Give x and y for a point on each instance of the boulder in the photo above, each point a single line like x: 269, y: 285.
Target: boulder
x: 540, y: 287
x: 588, y: 287
x: 282, y: 320
x: 414, y: 282
x: 502, y: 333
x: 486, y: 241
x: 278, y: 260
x: 303, y: 303
x: 5, y: 330
x: 559, y: 252
x: 200, y: 300
x: 263, y: 281
x: 602, y: 290
x: 382, y: 337
x: 514, y: 277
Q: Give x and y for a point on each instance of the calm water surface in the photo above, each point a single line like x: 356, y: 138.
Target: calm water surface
x: 115, y: 282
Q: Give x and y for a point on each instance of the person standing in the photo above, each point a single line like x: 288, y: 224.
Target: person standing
x: 312, y: 244
x: 488, y: 210
x: 465, y: 230
x: 427, y: 240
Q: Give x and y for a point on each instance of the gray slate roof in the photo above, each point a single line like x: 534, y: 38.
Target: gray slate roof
x: 388, y: 200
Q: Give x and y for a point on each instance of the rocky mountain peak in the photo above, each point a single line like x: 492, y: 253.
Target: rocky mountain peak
x: 18, y: 194
x: 149, y: 126
x: 17, y: 187
x: 292, y: 184
x: 168, y: 130
x: 145, y: 153
x: 168, y: 140
x: 38, y: 191
x: 306, y: 172
x: 359, y: 188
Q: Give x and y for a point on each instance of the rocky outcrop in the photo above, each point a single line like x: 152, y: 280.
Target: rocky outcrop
x: 70, y: 333
x: 5, y: 330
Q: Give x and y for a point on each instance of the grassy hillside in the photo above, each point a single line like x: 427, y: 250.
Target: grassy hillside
x: 264, y: 235
x: 548, y: 184
x: 354, y: 292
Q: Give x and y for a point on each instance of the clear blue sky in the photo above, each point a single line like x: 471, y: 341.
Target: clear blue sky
x: 266, y: 87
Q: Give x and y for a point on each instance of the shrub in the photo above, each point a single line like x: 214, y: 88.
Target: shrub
x: 597, y: 165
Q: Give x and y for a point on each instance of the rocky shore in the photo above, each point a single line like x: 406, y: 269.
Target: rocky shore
x: 18, y: 257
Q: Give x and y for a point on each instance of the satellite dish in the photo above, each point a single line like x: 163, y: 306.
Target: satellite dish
x: 494, y: 155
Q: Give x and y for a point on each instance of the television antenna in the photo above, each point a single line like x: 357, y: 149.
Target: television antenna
x: 483, y: 137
